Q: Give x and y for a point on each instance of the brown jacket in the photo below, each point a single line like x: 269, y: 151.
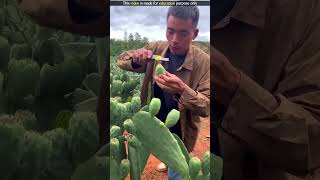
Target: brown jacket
x: 271, y: 129
x: 195, y: 72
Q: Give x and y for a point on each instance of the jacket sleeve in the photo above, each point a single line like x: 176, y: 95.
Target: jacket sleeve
x: 198, y: 100
x: 124, y: 60
x: 283, y: 127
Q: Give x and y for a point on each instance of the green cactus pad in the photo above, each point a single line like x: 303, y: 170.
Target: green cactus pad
x: 154, y: 106
x: 166, y: 147
x: 159, y: 70
x: 172, y: 118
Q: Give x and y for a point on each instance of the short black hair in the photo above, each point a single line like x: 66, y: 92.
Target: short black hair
x: 185, y: 12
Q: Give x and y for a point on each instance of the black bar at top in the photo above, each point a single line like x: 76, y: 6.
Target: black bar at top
x: 159, y: 3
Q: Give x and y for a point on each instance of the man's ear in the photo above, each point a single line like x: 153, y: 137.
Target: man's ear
x: 195, y: 34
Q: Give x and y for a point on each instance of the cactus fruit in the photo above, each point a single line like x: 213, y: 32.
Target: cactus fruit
x: 83, y: 139
x: 129, y: 126
x: 23, y: 78
x: 194, y: 167
x: 172, y: 118
x: 165, y: 148
x: 124, y: 168
x: 115, y: 131
x: 114, y: 147
x: 159, y: 70
x: 20, y: 51
x: 116, y: 87
x: 154, y: 106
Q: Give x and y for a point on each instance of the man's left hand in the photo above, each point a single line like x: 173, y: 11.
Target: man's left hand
x: 170, y: 83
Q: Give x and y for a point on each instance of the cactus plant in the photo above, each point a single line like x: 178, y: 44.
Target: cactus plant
x: 60, y: 166
x: 11, y: 148
x: 83, y: 137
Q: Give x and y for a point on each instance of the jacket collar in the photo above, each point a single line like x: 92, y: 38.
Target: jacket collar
x: 250, y: 11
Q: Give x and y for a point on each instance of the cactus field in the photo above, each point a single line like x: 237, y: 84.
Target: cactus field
x: 49, y: 88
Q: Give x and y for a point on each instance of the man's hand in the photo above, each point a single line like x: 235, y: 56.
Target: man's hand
x: 225, y: 78
x: 141, y: 55
x: 170, y: 83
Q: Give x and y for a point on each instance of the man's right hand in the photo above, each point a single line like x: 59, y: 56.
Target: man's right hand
x: 141, y: 55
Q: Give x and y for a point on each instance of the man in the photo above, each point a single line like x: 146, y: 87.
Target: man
x: 186, y: 85
x: 266, y: 79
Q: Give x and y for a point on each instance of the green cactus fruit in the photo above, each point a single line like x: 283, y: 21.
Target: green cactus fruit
x: 135, y: 105
x: 194, y: 167
x: 116, y: 87
x: 154, y: 106
x: 182, y: 147
x: 159, y: 70
x: 4, y: 53
x: 27, y: 119
x: 206, y: 163
x: 216, y: 167
x: 23, y: 78
x: 83, y: 138
x: 172, y: 118
x: 165, y: 148
x: 36, y: 157
x: 115, y: 131
x: 20, y: 51
x: 124, y: 77
x: 60, y: 165
x: 129, y: 126
x: 124, y: 168
x: 11, y: 148
x: 114, y: 148
x: 71, y: 76
x: 49, y: 83
x: 50, y: 52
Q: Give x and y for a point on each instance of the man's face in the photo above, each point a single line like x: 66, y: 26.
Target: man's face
x: 180, y: 33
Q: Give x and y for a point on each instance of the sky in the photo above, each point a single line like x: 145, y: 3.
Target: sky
x: 150, y: 22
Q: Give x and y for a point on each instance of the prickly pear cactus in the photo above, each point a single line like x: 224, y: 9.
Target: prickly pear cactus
x: 11, y: 148
x: 165, y: 148
x: 83, y: 139
x: 60, y: 166
x: 36, y: 157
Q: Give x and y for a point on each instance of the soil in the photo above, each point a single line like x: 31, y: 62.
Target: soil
x: 202, y: 145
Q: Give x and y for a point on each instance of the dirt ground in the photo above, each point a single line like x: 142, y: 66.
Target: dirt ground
x: 202, y: 145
